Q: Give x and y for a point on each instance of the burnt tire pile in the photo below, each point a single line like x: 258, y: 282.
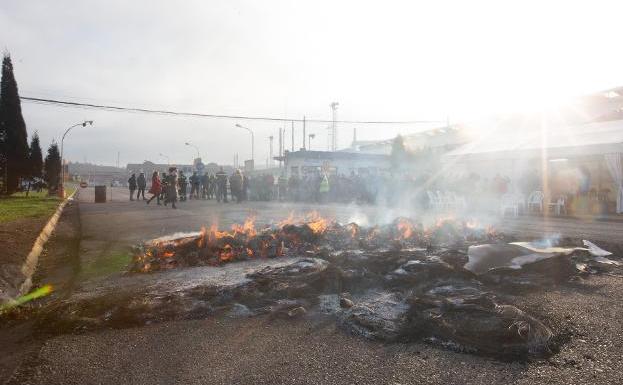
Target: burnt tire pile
x: 375, y: 283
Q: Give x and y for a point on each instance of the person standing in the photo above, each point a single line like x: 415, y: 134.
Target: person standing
x: 171, y: 187
x: 205, y: 185
x: 132, y: 185
x: 163, y: 189
x: 194, y: 185
x: 156, y: 188
x: 141, y: 182
x: 182, y: 186
x: 245, y: 187
x: 221, y: 186
x: 235, y: 183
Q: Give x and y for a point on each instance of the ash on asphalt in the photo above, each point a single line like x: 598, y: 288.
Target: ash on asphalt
x: 440, y: 294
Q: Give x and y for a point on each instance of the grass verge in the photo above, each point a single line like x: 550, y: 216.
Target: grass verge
x: 106, y: 265
x: 36, y: 205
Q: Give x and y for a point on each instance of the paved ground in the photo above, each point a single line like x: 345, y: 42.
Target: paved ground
x: 260, y: 351
x: 114, y: 226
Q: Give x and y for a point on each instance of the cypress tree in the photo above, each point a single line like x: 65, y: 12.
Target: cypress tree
x: 13, y: 135
x: 52, y: 168
x: 35, y: 157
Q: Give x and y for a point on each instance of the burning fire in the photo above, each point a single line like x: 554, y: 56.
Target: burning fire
x: 316, y: 223
x: 405, y: 228
x: 295, y: 236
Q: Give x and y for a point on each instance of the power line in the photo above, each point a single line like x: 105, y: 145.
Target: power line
x: 66, y: 103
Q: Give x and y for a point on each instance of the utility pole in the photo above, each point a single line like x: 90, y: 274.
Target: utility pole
x: 334, y: 126
x: 118, y: 153
x: 280, y: 144
x: 304, y: 137
x: 270, y: 139
x: 293, y: 136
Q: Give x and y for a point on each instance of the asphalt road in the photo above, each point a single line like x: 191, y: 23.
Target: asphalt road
x: 262, y: 351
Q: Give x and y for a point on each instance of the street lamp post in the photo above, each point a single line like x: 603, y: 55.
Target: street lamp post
x: 252, y: 141
x: 61, y: 188
x: 195, y: 147
x: 164, y: 156
x: 311, y: 136
x: 270, y: 140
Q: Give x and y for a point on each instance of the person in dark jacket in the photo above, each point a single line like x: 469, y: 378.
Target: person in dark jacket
x: 132, y: 185
x: 171, y: 187
x: 221, y: 186
x: 235, y: 183
x: 141, y: 182
x: 182, y: 183
x: 195, y: 181
x: 205, y: 185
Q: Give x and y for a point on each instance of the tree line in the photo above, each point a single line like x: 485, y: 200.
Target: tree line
x: 22, y: 163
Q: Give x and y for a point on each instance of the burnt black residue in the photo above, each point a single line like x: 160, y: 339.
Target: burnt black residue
x: 383, y: 288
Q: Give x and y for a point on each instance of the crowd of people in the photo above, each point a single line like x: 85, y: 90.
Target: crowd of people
x: 315, y: 187
x: 175, y: 186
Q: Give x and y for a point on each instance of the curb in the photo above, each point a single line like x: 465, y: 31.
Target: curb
x: 30, y: 264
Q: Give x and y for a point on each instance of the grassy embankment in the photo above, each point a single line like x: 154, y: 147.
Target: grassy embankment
x: 36, y: 205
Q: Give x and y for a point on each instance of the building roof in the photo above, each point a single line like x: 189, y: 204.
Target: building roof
x: 584, y: 139
x: 334, y: 155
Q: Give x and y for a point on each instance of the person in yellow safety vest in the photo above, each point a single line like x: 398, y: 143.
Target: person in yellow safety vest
x: 324, y: 188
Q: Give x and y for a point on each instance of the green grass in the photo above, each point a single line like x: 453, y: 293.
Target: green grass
x: 36, y: 205
x: 106, y: 265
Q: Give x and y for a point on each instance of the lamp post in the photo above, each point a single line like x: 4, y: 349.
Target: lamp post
x: 270, y: 140
x: 164, y: 156
x: 61, y: 188
x: 311, y: 136
x: 252, y: 141
x: 195, y: 147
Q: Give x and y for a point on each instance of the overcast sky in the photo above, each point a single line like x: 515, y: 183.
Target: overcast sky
x: 381, y: 60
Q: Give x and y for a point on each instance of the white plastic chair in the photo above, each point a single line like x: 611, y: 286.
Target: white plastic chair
x: 433, y: 200
x: 535, y: 200
x: 559, y: 206
x: 509, y: 202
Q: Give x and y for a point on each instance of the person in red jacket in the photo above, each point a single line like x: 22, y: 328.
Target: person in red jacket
x: 156, y: 187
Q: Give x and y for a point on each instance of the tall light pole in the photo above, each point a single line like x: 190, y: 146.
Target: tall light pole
x: 195, y: 147
x: 61, y: 188
x: 334, y: 126
x: 270, y: 139
x: 164, y: 156
x: 252, y: 142
x: 311, y: 136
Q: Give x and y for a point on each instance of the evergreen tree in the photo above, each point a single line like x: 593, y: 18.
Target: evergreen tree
x: 13, y: 136
x: 52, y: 168
x: 35, y: 157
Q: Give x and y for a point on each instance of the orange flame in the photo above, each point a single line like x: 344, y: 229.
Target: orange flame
x: 290, y: 220
x: 405, y: 227
x: 317, y: 223
x: 248, y: 228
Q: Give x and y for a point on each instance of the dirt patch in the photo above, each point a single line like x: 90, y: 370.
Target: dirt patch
x: 58, y: 265
x: 16, y: 241
x: 17, y: 238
